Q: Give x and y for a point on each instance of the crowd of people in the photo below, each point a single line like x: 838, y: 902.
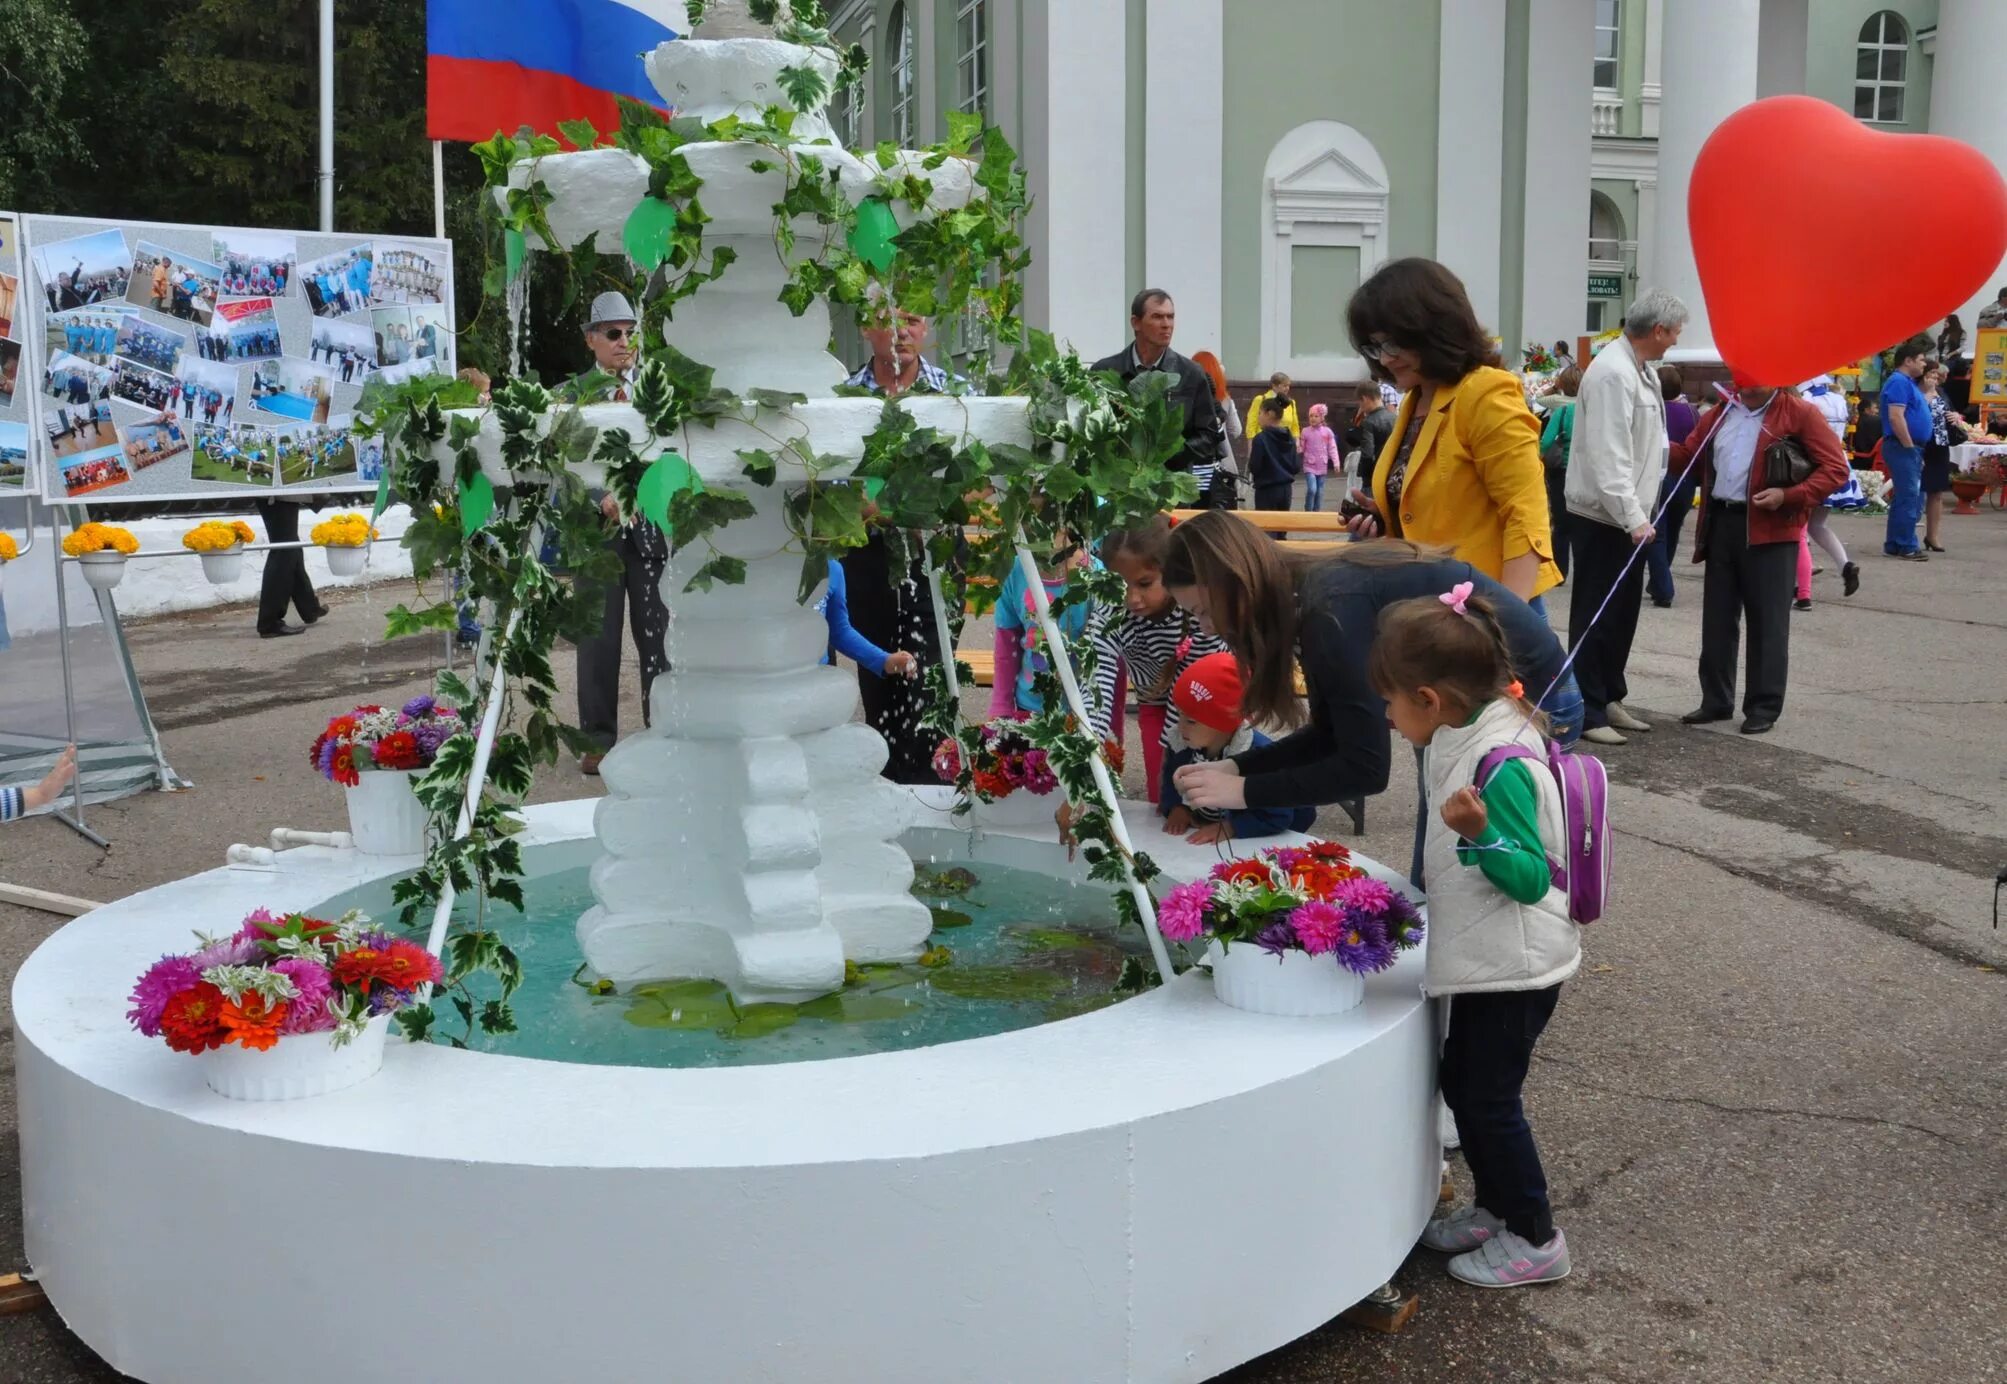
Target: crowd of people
x: 408, y: 276
x: 255, y: 276
x: 340, y: 284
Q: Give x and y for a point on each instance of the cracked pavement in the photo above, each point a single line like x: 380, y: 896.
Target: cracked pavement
x: 1771, y: 1105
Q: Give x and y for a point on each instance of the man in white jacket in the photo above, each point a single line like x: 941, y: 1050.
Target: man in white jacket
x: 1614, y: 469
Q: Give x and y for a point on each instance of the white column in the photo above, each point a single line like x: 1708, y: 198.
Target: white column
x: 1650, y: 90
x: 1074, y: 150
x: 1646, y: 230
x: 1710, y: 71
x: 1780, y: 47
x: 1184, y: 146
x: 1967, y: 99
x: 1470, y: 105
x: 1561, y: 46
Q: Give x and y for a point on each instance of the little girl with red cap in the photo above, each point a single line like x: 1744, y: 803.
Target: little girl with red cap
x: 1207, y: 698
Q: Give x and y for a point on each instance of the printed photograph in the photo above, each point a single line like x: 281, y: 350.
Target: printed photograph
x: 337, y: 285
x: 408, y: 274
x: 392, y: 329
x: 347, y: 348
x: 317, y: 454
x: 243, y: 329
x: 256, y: 264
x: 89, y: 269
x: 152, y: 442
x: 78, y: 428
x: 208, y: 391
x: 89, y: 333
x: 147, y: 343
x: 369, y: 458
x: 10, y: 307
x: 219, y: 455
x: 73, y: 380
x: 13, y: 455
x: 1995, y: 374
x: 1996, y: 358
x: 99, y: 470
x: 143, y: 388
x: 293, y: 389
x: 10, y: 371
x: 432, y: 334
x: 410, y: 370
x: 172, y: 282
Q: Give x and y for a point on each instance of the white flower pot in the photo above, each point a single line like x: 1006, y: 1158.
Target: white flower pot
x: 346, y: 562
x: 1020, y: 809
x: 384, y: 815
x: 302, y: 1064
x: 103, y: 570
x: 1295, y: 983
x: 224, y: 567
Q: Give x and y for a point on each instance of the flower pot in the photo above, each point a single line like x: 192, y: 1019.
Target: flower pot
x: 302, y: 1064
x: 384, y: 815
x: 346, y: 562
x: 224, y: 567
x: 1294, y: 983
x: 1020, y: 809
x: 103, y: 570
x: 1969, y: 493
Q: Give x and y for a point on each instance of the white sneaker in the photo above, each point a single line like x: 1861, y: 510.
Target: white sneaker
x: 1446, y: 1125
x: 1618, y: 715
x: 1461, y: 1231
x: 1506, y: 1261
x: 1603, y: 735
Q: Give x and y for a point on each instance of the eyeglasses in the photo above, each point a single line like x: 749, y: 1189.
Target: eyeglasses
x: 615, y: 333
x: 1380, y: 350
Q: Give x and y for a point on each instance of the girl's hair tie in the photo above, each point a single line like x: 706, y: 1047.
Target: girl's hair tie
x: 1516, y: 690
x: 1455, y: 597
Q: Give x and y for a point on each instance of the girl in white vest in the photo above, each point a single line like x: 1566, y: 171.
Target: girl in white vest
x: 1500, y: 938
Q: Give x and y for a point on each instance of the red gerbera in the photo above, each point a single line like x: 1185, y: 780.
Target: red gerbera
x: 249, y: 1023
x: 1328, y: 850
x: 398, y: 965
x: 193, y: 1020
x: 399, y: 750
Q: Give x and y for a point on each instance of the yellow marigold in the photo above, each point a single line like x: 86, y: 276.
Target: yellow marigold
x: 244, y: 531
x: 216, y: 536
x: 98, y: 538
x: 343, y: 531
x: 8, y: 552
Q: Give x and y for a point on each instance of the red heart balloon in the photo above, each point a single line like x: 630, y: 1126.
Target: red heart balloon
x: 1800, y: 271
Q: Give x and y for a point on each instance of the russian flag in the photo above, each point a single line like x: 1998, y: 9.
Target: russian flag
x: 502, y: 64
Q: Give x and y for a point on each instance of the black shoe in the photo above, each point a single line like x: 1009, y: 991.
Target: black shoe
x: 318, y: 614
x: 282, y: 631
x: 1851, y: 575
x: 1756, y: 725
x: 1707, y: 715
x: 1662, y: 605
x: 1802, y: 603
x: 1934, y: 547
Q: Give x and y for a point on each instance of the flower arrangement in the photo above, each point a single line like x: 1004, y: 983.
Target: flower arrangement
x: 1540, y: 360
x: 376, y: 737
x: 99, y: 538
x: 218, y: 535
x: 8, y: 550
x: 1297, y: 898
x: 349, y: 530
x: 992, y: 761
x: 278, y: 976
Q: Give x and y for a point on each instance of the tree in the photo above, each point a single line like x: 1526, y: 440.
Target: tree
x: 42, y: 52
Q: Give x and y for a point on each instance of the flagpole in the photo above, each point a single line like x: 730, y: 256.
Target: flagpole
x: 327, y: 115
x: 439, y: 188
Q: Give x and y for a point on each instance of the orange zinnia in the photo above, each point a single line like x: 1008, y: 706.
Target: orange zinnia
x: 250, y: 1023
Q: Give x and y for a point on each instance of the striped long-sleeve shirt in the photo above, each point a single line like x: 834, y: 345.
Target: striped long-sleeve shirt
x: 1155, y: 652
x: 12, y: 804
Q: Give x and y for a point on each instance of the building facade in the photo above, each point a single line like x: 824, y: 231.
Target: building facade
x: 1259, y: 158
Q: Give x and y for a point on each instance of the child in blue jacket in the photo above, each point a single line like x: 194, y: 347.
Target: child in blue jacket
x: 1207, y: 698
x: 844, y: 638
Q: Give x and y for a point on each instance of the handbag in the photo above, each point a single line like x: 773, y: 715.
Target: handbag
x: 1785, y: 464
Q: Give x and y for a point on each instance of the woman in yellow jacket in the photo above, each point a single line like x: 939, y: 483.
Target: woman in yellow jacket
x: 1462, y: 469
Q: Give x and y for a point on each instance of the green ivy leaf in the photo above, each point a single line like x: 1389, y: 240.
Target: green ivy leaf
x: 722, y: 568
x: 963, y: 128
x: 760, y: 466
x: 580, y: 132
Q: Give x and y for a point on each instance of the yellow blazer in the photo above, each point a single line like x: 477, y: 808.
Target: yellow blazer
x: 1475, y: 481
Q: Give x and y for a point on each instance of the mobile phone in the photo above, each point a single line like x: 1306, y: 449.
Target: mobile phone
x: 1349, y: 508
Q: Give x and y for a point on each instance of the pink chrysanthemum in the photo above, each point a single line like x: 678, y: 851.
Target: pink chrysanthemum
x: 309, y: 1012
x: 163, y: 980
x: 1182, y: 915
x: 251, y: 932
x: 1038, y: 775
x: 231, y: 951
x: 1318, y: 926
x: 1368, y: 894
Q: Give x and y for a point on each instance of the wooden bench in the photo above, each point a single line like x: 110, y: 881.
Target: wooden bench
x: 1278, y: 520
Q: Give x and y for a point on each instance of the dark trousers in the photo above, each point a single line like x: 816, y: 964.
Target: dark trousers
x: 1676, y: 497
x: 286, y: 580
x: 1602, y: 646
x: 1753, y: 581
x: 1274, y: 496
x: 897, y: 617
x: 643, y: 555
x: 1485, y: 1056
x: 1557, y: 516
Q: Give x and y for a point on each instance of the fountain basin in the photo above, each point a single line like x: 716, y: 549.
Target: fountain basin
x: 1041, y: 1204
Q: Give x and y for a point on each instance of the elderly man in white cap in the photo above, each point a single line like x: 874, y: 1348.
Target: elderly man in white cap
x: 612, y: 336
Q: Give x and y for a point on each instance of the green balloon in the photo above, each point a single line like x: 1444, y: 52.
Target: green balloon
x: 477, y: 502
x: 646, y: 234
x: 874, y: 486
x: 871, y: 237
x: 666, y: 477
x: 513, y: 250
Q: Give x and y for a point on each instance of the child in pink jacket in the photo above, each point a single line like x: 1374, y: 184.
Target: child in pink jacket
x: 1320, y: 454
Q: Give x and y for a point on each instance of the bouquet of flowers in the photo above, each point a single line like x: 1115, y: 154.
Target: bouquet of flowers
x: 1297, y: 898
x: 377, y: 737
x: 218, y: 535
x: 994, y: 760
x: 275, y: 977
x: 1540, y: 360
x: 343, y: 531
x: 100, y: 538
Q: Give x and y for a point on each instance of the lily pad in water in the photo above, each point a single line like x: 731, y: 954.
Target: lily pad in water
x: 681, y: 1004
x: 998, y: 983
x: 857, y: 1008
x: 950, y: 918
x: 758, y: 1020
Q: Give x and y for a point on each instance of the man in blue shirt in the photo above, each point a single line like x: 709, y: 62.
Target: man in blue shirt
x: 1905, y: 428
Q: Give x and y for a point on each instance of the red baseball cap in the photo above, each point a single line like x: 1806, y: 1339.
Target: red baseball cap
x: 1209, y: 693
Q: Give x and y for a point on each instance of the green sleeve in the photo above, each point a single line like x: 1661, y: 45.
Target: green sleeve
x: 1514, y: 811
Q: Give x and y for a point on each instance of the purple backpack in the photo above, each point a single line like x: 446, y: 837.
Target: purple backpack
x: 1584, y: 869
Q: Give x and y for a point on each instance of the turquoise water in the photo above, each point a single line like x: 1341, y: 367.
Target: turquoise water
x: 1019, y: 948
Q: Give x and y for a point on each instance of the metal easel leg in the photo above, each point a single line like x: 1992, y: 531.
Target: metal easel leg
x: 74, y: 819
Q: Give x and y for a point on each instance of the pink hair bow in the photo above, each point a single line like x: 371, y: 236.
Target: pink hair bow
x: 1457, y: 595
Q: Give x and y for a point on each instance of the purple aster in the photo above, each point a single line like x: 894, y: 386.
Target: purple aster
x: 309, y: 1012
x: 384, y: 1000
x: 431, y: 733
x: 1182, y: 915
x: 231, y: 951
x: 1363, y: 947
x: 163, y: 980
x: 1403, y: 921
x: 1277, y: 938
x: 417, y: 707
x: 1318, y: 926
x: 326, y: 760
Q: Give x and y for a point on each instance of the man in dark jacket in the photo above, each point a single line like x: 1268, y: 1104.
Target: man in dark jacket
x: 1152, y: 318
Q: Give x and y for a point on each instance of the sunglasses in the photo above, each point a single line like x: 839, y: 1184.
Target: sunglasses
x: 615, y: 333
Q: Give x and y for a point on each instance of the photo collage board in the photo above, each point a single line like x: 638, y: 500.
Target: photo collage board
x: 17, y: 468
x: 185, y: 362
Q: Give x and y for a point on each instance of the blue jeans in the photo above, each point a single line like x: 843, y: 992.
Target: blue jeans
x: 1313, y: 492
x: 1905, y: 466
x: 1659, y: 558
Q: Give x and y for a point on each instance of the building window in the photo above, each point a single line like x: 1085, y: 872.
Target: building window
x: 1608, y: 36
x: 1881, y: 68
x: 901, y: 32
x: 972, y: 56
x: 849, y: 116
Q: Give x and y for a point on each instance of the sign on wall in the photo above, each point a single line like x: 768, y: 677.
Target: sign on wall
x: 1606, y: 285
x: 1989, y: 365
x: 183, y: 362
x: 17, y: 471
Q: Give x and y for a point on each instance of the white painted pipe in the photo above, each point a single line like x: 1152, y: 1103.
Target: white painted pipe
x: 282, y: 837
x: 943, y: 631
x: 1063, y: 665
x: 327, y: 115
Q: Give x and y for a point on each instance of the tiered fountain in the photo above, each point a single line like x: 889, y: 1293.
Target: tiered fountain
x: 1045, y: 1203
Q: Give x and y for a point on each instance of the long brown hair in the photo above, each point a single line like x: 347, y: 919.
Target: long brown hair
x: 1251, y: 600
x: 1421, y: 306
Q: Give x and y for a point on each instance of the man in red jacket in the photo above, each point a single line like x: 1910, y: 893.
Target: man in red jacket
x: 1748, y: 537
